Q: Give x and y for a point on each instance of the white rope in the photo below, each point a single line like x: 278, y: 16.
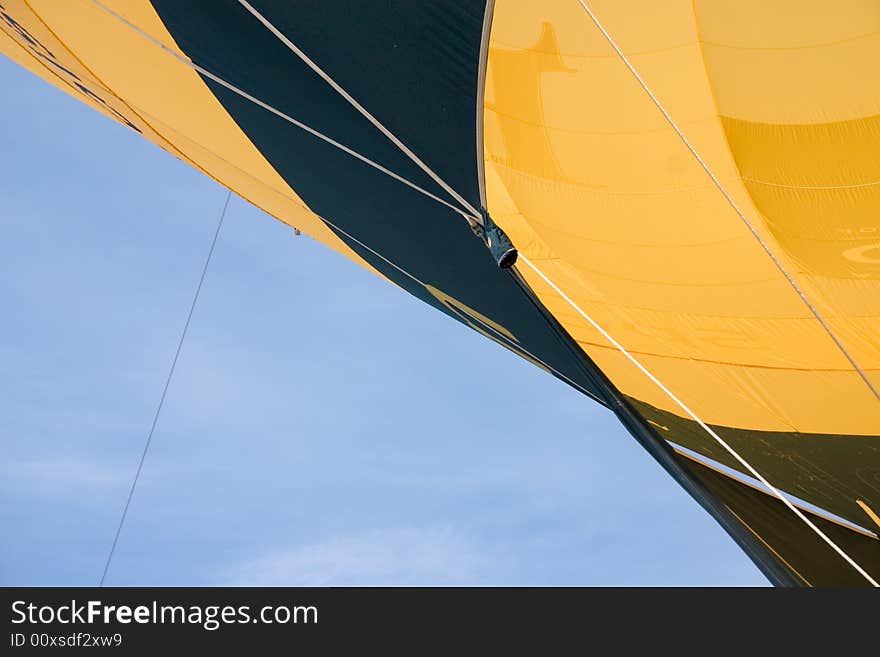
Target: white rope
x: 730, y: 200
x: 467, y: 217
x: 705, y: 426
x: 523, y: 258
x: 282, y: 115
x: 360, y: 108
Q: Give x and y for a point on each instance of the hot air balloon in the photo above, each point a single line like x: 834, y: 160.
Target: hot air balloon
x: 672, y: 207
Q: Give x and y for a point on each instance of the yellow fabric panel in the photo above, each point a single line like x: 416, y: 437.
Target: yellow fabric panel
x: 18, y: 52
x: 29, y: 42
x: 167, y: 100
x: 824, y: 216
x: 801, y: 115
x: 792, y: 61
x: 592, y: 183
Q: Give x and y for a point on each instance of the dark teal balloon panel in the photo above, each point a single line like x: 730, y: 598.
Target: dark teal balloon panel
x: 422, y: 87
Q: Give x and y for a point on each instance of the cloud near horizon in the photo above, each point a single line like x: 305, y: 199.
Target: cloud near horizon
x: 436, y: 555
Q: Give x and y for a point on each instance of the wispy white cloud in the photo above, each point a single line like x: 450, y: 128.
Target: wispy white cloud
x: 67, y: 474
x: 394, y: 557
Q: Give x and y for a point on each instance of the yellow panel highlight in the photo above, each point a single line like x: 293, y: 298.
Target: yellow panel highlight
x: 593, y: 184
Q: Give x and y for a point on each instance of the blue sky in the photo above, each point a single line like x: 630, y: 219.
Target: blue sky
x: 320, y: 428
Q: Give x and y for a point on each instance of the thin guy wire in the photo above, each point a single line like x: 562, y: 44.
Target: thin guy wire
x: 299, y: 124
x: 140, y: 466
x: 733, y: 204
